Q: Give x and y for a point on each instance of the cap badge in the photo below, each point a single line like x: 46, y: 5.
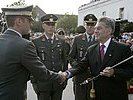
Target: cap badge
x: 90, y: 19
x: 51, y: 19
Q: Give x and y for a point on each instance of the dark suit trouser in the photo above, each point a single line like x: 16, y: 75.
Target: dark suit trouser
x: 81, y: 92
x: 50, y: 95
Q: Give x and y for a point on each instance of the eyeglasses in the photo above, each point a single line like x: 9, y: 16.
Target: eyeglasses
x: 50, y: 24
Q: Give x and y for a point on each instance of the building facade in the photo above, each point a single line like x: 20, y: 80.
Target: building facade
x: 117, y: 9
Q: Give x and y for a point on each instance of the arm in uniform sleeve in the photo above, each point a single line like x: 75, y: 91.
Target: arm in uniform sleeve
x: 32, y: 62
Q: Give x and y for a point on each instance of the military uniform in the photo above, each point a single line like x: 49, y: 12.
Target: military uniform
x: 18, y: 56
x: 79, y: 47
x: 53, y: 54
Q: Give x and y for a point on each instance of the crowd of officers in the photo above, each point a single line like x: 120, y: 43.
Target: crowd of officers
x: 59, y: 51
x: 56, y: 51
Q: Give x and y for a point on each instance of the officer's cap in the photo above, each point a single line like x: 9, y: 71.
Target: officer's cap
x: 90, y: 18
x: 20, y: 10
x: 49, y: 18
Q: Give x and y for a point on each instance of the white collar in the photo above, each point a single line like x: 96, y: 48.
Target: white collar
x: 15, y: 31
x: 106, y: 43
x: 48, y: 37
x: 89, y: 35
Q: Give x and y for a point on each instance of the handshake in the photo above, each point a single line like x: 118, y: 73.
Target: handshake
x: 63, y: 76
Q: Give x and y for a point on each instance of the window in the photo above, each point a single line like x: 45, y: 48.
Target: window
x: 104, y: 13
x: 121, y: 13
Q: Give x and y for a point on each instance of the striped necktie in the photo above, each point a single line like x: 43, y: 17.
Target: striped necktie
x: 102, y: 52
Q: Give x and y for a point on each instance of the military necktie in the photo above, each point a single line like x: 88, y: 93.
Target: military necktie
x: 89, y: 38
x: 102, y: 51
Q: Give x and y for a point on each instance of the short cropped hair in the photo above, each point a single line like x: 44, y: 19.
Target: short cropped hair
x: 109, y: 22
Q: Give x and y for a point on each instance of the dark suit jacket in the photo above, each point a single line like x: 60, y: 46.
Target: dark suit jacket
x: 79, y: 47
x: 54, y: 57
x: 18, y: 59
x: 108, y: 88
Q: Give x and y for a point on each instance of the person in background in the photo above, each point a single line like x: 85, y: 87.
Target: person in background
x: 80, y: 29
x: 80, y: 44
x: 51, y: 49
x: 111, y: 83
x: 61, y: 34
x: 18, y: 55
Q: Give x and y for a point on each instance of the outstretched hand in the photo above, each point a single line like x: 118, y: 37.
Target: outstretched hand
x: 63, y: 76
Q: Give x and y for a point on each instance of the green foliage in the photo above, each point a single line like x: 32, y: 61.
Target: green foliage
x: 37, y: 26
x: 68, y: 23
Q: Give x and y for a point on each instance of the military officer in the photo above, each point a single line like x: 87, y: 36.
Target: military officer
x: 18, y: 55
x: 51, y: 50
x: 80, y: 44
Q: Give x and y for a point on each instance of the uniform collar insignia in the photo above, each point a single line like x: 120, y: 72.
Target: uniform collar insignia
x: 51, y: 19
x: 83, y: 37
x: 43, y: 37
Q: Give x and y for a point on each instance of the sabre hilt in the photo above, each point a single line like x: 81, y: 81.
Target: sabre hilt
x: 93, y: 78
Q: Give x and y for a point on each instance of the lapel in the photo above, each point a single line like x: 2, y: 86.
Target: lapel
x: 109, y: 52
x: 44, y: 41
x: 84, y: 40
x: 98, y: 58
x: 55, y: 41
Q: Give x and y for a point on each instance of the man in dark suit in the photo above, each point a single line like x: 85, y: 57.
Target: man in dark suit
x: 80, y: 44
x: 111, y: 84
x: 51, y: 49
x: 18, y: 55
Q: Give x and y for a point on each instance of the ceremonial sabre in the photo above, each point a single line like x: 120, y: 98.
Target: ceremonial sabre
x: 93, y: 78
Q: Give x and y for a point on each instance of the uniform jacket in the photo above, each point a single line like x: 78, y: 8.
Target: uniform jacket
x: 18, y: 59
x: 108, y: 88
x: 53, y: 55
x: 79, y: 47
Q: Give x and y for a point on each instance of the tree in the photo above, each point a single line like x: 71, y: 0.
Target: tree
x: 37, y: 26
x: 68, y: 23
